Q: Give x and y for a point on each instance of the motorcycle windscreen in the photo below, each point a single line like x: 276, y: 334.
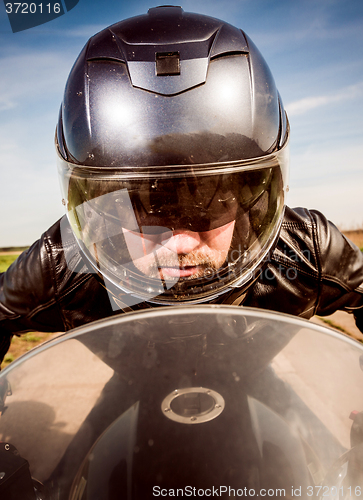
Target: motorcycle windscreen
x: 188, y: 401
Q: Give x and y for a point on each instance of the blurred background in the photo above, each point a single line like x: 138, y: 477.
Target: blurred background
x: 314, y: 50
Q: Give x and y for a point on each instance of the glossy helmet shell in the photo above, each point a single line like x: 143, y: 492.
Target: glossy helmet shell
x: 129, y: 100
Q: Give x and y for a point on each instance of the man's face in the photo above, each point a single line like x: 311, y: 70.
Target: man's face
x: 169, y: 255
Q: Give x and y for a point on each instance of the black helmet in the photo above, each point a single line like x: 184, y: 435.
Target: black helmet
x: 171, y: 127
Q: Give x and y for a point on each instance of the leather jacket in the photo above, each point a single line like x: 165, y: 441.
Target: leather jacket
x: 313, y: 269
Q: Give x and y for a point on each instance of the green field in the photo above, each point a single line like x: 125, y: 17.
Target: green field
x: 6, y: 260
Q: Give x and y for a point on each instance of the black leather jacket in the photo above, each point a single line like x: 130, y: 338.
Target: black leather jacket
x: 313, y: 269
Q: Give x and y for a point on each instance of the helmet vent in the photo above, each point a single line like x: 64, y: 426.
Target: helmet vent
x: 167, y: 63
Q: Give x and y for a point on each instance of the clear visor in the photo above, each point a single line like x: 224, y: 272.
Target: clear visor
x: 176, y: 233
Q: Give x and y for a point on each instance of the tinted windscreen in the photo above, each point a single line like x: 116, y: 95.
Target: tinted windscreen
x: 202, y: 397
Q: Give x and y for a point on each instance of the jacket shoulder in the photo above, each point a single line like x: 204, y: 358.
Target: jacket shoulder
x: 314, y: 269
x: 296, y: 246
x: 28, y: 287
x: 338, y: 260
x: 36, y: 287
x: 79, y: 294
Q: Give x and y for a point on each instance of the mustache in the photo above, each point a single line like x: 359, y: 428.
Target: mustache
x: 192, y: 259
x: 205, y: 263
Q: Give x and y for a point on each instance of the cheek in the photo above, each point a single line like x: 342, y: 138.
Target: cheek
x: 220, y: 238
x: 139, y: 246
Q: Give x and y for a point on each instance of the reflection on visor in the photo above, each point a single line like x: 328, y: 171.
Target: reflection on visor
x: 121, y: 239
x: 188, y: 203
x: 135, y: 231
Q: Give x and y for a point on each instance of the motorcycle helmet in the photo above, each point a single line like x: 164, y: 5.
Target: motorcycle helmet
x: 172, y: 154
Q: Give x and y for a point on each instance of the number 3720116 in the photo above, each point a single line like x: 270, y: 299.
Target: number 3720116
x: 328, y: 491
x: 32, y: 8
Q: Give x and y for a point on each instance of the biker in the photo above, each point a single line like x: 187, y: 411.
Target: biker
x: 172, y: 145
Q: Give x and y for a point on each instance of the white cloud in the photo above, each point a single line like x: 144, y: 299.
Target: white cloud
x: 6, y: 103
x: 308, y: 103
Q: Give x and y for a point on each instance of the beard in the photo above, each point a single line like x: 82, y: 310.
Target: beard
x: 200, y: 264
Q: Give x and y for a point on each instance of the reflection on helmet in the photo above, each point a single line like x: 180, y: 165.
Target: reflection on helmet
x: 197, y: 151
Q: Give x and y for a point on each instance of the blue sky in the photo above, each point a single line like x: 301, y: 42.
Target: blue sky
x: 314, y: 49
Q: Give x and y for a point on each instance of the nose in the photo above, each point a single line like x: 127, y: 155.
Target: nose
x: 183, y: 241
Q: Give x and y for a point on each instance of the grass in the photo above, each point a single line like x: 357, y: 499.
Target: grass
x: 332, y: 324
x: 6, y: 260
x: 21, y: 345
x: 13, y: 249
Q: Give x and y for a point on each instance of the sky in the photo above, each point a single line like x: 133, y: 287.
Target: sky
x: 314, y: 50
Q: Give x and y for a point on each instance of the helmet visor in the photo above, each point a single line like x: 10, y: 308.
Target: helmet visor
x: 175, y: 233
